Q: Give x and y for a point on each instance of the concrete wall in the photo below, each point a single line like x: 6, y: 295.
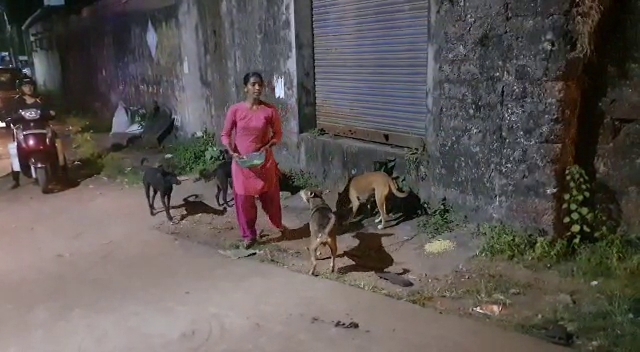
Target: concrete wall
x: 238, y: 36
x: 205, y: 47
x: 46, y: 59
x: 106, y: 59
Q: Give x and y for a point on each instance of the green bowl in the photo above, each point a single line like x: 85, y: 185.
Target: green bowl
x: 251, y: 160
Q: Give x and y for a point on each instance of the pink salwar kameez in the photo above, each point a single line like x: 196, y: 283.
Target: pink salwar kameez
x: 252, y: 130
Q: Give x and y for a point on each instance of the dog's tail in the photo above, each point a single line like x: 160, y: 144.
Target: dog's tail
x: 329, y: 226
x: 394, y: 189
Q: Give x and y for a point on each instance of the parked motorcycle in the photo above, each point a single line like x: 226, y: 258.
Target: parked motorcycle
x: 36, y: 151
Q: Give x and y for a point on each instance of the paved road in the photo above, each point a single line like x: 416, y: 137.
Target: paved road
x: 5, y: 162
x: 84, y: 270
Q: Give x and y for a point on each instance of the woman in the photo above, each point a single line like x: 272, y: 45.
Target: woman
x: 27, y: 99
x: 257, y: 127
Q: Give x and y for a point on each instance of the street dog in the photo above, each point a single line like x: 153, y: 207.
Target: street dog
x: 221, y: 176
x: 377, y: 183
x: 321, y: 224
x: 161, y: 181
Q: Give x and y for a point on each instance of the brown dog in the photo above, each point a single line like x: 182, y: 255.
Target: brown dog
x: 321, y: 223
x: 378, y: 183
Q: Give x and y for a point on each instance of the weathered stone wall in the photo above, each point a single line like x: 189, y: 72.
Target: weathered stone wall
x: 495, y: 132
x: 498, y: 97
x: 611, y: 119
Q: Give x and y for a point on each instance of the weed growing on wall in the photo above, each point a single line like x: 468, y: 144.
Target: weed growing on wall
x: 415, y: 159
x: 317, y: 132
x: 582, y: 220
x: 585, y: 16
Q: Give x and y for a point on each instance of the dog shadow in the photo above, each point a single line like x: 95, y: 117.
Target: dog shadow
x: 193, y: 205
x: 369, y: 255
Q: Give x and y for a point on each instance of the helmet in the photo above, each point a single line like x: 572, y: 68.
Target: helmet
x: 25, y: 81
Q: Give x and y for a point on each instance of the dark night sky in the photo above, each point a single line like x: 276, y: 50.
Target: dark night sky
x: 19, y: 11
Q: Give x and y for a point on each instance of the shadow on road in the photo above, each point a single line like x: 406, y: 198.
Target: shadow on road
x: 193, y: 205
x: 369, y: 254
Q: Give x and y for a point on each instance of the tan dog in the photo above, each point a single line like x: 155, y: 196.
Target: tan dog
x: 378, y: 183
x: 321, y: 223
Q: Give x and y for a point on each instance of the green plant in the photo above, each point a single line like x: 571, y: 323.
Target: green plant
x: 78, y: 122
x: 196, y: 154
x: 85, y: 146
x: 300, y: 179
x: 317, y: 132
x: 438, y: 221
x: 115, y: 166
x: 506, y: 242
x: 580, y: 217
x: 502, y: 241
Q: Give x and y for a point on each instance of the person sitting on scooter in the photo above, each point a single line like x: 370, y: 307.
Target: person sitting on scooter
x: 27, y: 99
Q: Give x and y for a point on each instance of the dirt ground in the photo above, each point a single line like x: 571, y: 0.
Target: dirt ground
x: 451, y: 280
x: 85, y: 269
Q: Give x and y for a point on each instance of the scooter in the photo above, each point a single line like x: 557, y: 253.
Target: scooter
x: 36, y: 151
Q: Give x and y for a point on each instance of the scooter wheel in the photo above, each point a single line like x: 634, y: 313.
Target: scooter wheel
x: 43, y: 179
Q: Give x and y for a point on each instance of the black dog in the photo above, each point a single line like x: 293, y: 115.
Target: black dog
x: 162, y: 182
x: 221, y: 176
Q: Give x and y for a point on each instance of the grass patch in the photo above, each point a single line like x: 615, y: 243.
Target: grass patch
x: 117, y: 167
x: 95, y: 161
x: 608, y: 317
x: 86, y: 123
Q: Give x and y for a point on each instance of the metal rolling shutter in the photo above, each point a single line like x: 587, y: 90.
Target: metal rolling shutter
x: 371, y: 68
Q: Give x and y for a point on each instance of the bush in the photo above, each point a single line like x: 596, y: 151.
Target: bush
x: 196, y: 154
x: 85, y: 146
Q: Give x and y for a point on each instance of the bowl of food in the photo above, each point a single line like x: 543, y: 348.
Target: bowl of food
x: 251, y: 160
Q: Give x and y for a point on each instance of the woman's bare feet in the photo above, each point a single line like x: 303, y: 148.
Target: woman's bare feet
x: 249, y: 243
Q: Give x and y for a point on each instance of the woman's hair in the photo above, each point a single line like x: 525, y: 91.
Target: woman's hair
x: 250, y: 75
